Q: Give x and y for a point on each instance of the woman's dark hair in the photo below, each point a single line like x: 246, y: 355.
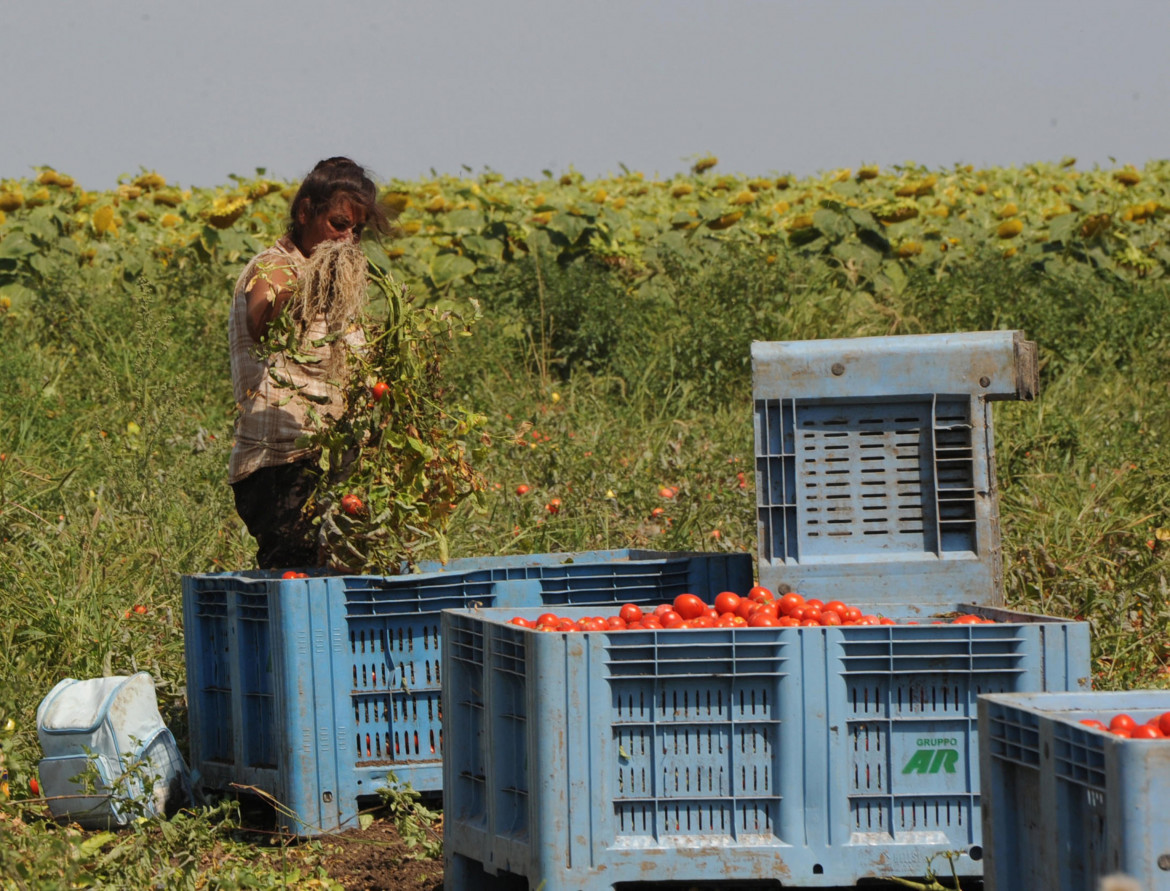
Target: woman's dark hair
x: 327, y: 180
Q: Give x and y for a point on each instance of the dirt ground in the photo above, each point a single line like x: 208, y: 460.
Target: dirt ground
x: 376, y: 859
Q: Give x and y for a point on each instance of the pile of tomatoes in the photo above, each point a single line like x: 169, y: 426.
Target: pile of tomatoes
x: 1124, y: 725
x: 759, y: 609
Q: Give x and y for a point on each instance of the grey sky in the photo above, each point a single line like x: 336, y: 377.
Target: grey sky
x: 200, y: 90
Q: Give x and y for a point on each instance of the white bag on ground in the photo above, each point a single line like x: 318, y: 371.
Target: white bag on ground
x: 114, y: 725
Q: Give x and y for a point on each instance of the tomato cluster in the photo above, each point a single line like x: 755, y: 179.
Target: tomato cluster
x: 1125, y: 725
x: 759, y: 609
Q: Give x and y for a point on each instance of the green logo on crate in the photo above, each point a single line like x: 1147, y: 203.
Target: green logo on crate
x: 934, y: 755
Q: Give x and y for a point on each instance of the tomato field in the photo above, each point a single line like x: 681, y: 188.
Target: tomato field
x: 609, y: 364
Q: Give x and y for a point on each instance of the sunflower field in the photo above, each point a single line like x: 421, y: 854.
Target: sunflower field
x: 610, y: 361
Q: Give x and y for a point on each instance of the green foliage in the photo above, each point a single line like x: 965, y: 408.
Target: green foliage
x: 194, y: 849
x: 612, y: 360
x: 414, y: 821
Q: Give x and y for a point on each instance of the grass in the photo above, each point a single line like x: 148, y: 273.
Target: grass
x: 115, y: 424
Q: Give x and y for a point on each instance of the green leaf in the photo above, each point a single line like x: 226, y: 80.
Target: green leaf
x: 96, y: 842
x: 446, y: 268
x: 365, y: 821
x: 16, y: 247
x: 468, y: 219
x: 569, y: 226
x: 487, y: 247
x: 1061, y: 228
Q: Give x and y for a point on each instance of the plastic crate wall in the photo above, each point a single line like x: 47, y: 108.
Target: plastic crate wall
x: 1067, y: 805
x: 812, y: 756
x: 875, y: 465
x: 314, y: 689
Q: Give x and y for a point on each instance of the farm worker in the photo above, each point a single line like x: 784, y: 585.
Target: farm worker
x: 271, y: 476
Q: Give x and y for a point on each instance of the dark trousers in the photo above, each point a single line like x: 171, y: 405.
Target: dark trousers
x: 269, y: 501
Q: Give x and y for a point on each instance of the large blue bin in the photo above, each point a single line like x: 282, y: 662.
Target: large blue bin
x: 1066, y: 805
x: 313, y: 690
x: 814, y: 757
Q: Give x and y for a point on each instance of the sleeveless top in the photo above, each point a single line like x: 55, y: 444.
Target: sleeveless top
x: 271, y: 417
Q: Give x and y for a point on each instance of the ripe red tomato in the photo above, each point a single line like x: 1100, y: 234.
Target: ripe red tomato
x: 787, y: 622
x: 522, y: 622
x: 763, y: 619
x: 830, y: 617
x: 617, y: 623
x: 522, y: 489
x: 689, y: 606
x: 966, y: 620
x: 140, y: 609
x: 813, y: 603
x: 711, y: 613
x: 34, y: 787
x: 727, y: 601
x: 851, y: 616
x: 812, y: 614
x: 554, y: 506
x: 789, y: 602
x: 653, y: 622
x: 760, y: 594
x: 351, y: 504
x: 1122, y: 722
x: 289, y: 574
x: 663, y: 608
x: 1094, y: 723
x: 666, y: 492
x: 886, y: 620
x: 1145, y: 731
x: 744, y: 610
x: 630, y: 612
x: 810, y: 623
x: 1164, y: 723
x: 380, y: 389
x: 834, y: 606
x: 547, y: 619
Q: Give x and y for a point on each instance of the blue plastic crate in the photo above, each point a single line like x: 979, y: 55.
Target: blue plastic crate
x: 314, y: 689
x: 875, y: 470
x: 816, y: 757
x: 1066, y: 805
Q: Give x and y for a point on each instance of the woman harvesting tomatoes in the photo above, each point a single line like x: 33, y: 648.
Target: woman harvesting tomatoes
x: 277, y: 391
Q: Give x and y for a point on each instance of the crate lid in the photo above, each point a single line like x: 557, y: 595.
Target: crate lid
x: 875, y: 473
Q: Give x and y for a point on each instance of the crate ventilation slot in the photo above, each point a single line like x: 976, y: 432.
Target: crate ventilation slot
x: 855, y: 478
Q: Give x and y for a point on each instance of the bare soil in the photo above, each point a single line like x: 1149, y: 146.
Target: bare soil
x: 376, y: 859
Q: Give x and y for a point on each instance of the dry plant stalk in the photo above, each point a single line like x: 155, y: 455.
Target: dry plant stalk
x: 331, y: 286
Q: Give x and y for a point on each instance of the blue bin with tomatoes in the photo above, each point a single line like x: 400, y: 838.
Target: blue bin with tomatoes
x: 810, y: 756
x: 1067, y: 802
x: 312, y: 690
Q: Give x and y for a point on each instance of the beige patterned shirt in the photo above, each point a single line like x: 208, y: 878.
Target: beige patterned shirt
x: 272, y: 417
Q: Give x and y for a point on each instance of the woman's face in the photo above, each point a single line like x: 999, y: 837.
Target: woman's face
x: 342, y: 220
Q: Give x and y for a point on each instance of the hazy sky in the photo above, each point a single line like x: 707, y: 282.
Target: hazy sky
x: 200, y: 90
